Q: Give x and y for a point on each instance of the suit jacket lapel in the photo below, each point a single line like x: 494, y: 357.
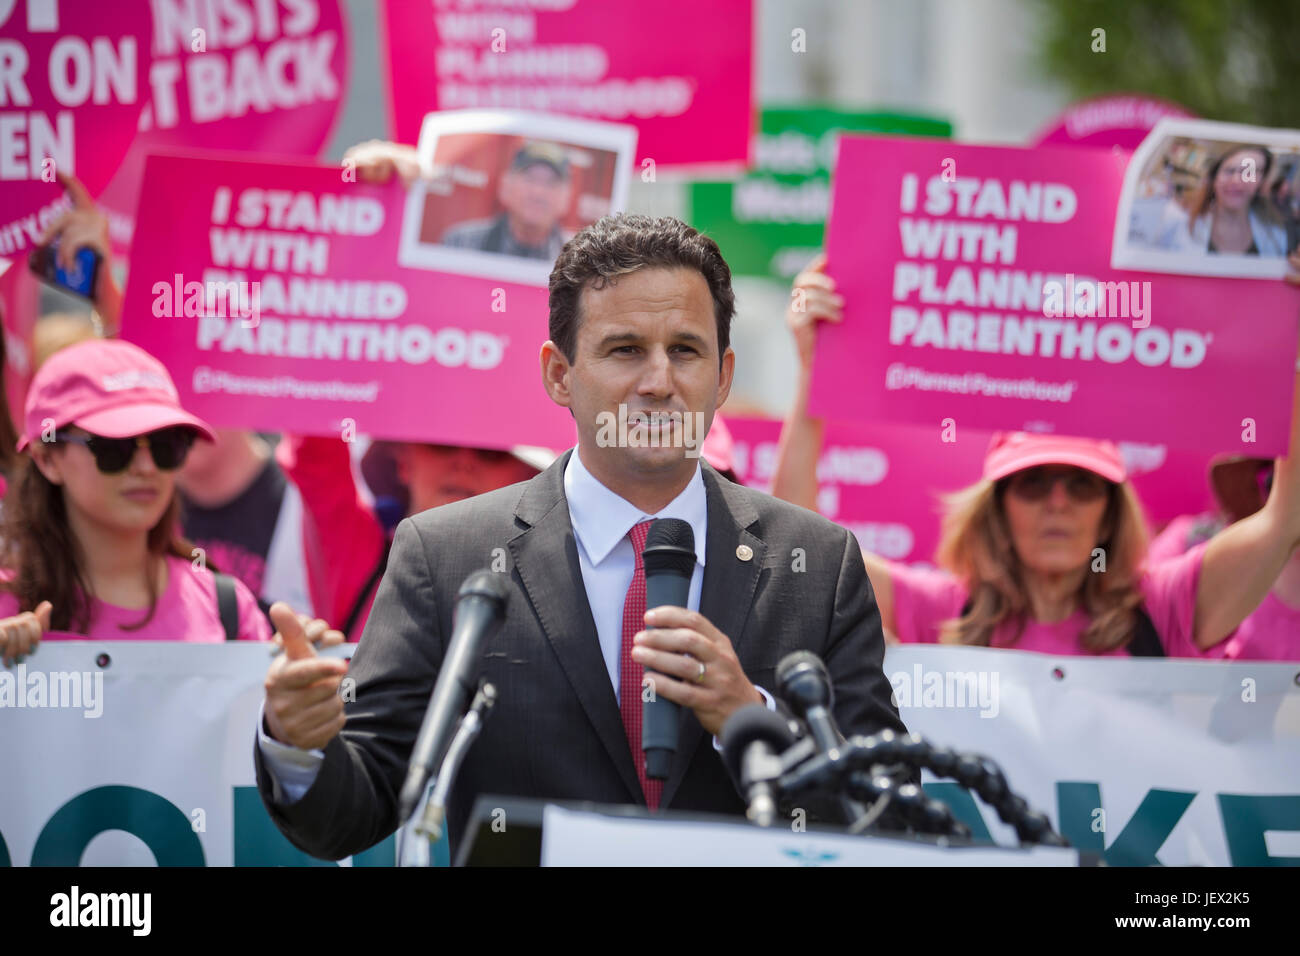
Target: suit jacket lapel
x: 727, y: 592
x: 546, y: 556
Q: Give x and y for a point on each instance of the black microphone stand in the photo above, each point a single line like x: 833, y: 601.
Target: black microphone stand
x: 846, y: 769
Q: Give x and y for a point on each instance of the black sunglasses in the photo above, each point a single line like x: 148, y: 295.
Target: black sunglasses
x: 1035, y: 484
x: 168, y: 446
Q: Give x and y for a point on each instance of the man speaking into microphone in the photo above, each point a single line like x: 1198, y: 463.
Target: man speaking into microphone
x: 640, y: 319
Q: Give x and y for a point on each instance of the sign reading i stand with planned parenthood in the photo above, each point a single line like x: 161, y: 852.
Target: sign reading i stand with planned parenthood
x: 979, y: 292
x: 273, y: 294
x: 678, y: 70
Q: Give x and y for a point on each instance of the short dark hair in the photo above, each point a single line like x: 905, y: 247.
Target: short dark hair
x: 616, y: 245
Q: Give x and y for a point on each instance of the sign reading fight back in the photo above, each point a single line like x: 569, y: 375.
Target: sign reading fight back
x: 679, y: 70
x: 978, y: 290
x: 272, y: 293
x: 245, y: 75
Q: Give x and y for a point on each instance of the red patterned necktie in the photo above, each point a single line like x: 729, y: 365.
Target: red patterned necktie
x: 631, y: 673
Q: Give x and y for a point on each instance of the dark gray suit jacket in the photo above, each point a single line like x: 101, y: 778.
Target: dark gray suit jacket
x: 556, y: 731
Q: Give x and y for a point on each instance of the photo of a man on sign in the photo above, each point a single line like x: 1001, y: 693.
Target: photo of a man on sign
x: 500, y: 192
x: 534, y: 194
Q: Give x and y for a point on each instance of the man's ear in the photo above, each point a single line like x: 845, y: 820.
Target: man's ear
x: 725, y: 376
x: 555, y: 374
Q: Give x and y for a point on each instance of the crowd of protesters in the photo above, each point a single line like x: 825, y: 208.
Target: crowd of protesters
x: 127, y: 517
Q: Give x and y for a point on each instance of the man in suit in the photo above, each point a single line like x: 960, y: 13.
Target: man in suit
x: 640, y: 313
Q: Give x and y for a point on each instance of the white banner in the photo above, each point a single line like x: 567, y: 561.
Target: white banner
x: 131, y: 753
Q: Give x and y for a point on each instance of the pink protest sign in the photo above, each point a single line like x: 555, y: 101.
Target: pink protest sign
x: 885, y: 482
x: 882, y: 482
x: 73, y: 80
x: 273, y: 295
x: 1116, y: 120
x: 978, y: 289
x: 255, y: 77
x: 680, y: 70
x: 19, y: 299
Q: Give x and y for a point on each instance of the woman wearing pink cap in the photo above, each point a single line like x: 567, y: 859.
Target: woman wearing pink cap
x: 1047, y: 551
x: 90, y: 541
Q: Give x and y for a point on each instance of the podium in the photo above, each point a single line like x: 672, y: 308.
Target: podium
x: 514, y: 831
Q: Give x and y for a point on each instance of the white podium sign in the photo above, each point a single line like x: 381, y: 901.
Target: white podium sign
x: 577, y: 838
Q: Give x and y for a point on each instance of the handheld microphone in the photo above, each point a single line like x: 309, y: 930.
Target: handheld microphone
x: 480, y: 606
x: 753, y: 740
x: 669, y: 558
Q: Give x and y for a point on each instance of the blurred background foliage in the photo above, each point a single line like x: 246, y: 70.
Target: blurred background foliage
x: 1231, y: 60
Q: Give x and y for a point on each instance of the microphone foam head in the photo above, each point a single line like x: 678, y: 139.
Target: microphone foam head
x: 489, y: 584
x: 802, y: 681
x: 751, y: 723
x: 670, y: 546
x: 672, y: 533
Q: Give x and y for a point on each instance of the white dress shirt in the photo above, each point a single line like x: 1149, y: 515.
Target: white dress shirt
x: 601, y: 521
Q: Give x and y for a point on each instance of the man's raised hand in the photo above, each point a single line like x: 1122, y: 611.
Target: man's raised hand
x: 303, y: 705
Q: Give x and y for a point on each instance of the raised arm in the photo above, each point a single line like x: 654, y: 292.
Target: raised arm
x: 1243, y: 560
x: 343, y: 538
x: 813, y: 299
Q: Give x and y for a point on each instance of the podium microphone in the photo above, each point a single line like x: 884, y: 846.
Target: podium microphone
x: 753, y: 740
x: 669, y: 558
x: 480, y: 606
x: 803, y: 683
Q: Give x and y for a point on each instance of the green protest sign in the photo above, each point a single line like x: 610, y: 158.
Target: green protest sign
x: 770, y: 221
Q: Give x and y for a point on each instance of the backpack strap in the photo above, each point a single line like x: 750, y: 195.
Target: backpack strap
x: 227, y: 605
x: 1145, y: 642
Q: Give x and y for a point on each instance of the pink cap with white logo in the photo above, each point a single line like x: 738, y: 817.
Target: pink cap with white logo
x: 1014, y: 451
x: 108, y: 387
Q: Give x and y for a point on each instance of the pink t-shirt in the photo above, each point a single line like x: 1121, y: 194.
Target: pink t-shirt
x: 1182, y: 533
x: 924, y: 599
x: 187, y: 611
x: 1270, y: 633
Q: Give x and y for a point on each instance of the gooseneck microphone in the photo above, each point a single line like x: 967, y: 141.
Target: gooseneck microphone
x: 753, y: 740
x: 480, y: 606
x: 669, y: 558
x: 803, y: 682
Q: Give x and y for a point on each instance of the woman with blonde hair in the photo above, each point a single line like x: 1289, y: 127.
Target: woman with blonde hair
x: 1047, y: 551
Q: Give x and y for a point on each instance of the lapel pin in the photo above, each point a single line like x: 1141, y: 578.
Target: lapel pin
x: 744, y: 552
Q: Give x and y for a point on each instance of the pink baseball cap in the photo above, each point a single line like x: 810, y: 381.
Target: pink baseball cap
x: 108, y: 387
x: 1014, y: 451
